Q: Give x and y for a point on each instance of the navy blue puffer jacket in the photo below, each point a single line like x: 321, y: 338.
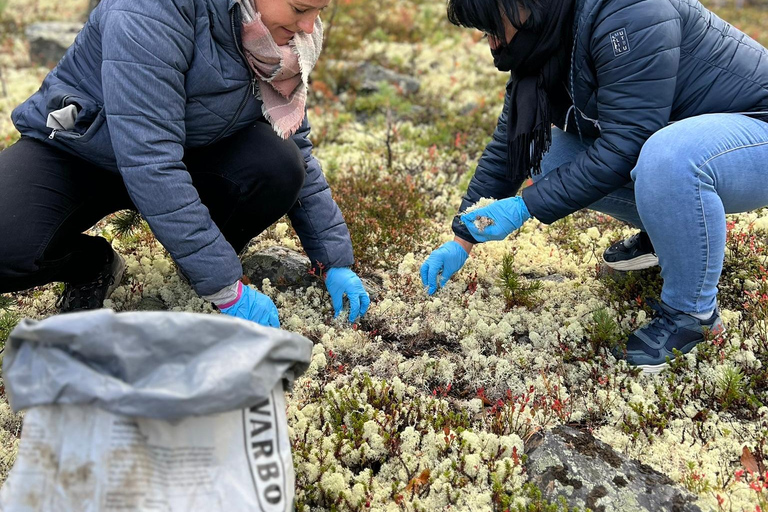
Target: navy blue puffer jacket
x: 679, y: 61
x: 151, y: 78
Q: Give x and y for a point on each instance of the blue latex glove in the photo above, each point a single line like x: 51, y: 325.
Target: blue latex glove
x: 506, y: 215
x: 445, y: 260
x: 255, y: 306
x: 341, y: 281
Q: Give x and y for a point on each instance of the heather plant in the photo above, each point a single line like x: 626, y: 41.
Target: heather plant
x: 386, y: 213
x: 526, y: 413
x: 744, y: 268
x: 369, y: 427
x: 351, y: 21
x: 628, y: 291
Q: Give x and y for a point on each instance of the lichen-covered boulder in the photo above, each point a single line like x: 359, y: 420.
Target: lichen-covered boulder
x: 590, y: 474
x: 283, y: 267
x: 49, y: 40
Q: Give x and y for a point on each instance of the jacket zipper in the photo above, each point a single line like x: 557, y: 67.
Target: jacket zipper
x: 62, y: 104
x: 248, y: 92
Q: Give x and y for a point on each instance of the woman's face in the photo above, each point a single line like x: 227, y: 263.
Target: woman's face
x: 283, y: 18
x: 509, y: 29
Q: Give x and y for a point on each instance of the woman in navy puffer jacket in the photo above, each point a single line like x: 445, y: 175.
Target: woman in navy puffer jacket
x: 659, y: 110
x: 193, y: 113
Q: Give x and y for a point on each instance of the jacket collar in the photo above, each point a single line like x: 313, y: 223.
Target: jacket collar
x: 221, y: 13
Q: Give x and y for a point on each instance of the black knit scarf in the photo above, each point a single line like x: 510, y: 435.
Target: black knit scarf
x: 539, y: 61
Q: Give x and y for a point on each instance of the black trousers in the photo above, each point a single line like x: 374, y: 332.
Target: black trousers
x: 49, y: 197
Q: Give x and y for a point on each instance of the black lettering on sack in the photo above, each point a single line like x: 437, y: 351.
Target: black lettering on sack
x: 264, y: 404
x: 273, y: 494
x: 268, y: 471
x: 259, y: 427
x: 266, y: 466
x: 262, y: 448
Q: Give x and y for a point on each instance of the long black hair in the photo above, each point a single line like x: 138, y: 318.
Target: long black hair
x: 485, y: 15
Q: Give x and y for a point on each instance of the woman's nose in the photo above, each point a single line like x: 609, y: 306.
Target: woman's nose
x: 307, y: 24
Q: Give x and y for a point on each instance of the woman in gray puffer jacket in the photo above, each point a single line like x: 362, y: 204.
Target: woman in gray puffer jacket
x: 659, y: 110
x: 193, y: 113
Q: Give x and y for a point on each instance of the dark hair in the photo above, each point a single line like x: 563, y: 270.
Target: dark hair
x: 485, y: 15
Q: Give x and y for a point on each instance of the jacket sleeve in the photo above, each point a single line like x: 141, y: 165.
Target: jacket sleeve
x: 316, y: 217
x: 490, y: 179
x: 635, y: 92
x: 146, y: 48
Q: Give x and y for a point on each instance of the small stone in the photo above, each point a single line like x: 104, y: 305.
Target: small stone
x: 151, y: 304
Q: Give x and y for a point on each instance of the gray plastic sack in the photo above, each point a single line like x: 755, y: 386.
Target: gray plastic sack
x: 149, y: 412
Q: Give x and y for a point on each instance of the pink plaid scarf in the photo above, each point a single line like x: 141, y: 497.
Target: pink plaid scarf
x: 282, y: 72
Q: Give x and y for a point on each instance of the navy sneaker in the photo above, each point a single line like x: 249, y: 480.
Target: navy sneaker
x: 649, y: 347
x: 91, y: 295
x: 634, y: 253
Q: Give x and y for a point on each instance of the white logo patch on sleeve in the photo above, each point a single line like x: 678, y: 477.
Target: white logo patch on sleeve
x: 619, y: 42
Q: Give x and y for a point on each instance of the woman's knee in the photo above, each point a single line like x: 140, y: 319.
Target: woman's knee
x: 663, y: 162
x: 286, y: 171
x: 20, y: 248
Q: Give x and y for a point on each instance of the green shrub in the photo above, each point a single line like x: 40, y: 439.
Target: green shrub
x: 517, y: 291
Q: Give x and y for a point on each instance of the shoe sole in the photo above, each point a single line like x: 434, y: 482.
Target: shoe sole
x: 639, y: 263
x: 652, y: 369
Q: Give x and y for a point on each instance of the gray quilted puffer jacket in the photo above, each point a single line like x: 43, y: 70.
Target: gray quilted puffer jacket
x: 636, y: 66
x: 151, y: 78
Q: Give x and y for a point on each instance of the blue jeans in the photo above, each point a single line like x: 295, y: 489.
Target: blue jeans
x: 687, y: 177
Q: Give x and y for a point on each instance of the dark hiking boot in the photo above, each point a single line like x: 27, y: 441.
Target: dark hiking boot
x: 651, y: 346
x: 91, y: 295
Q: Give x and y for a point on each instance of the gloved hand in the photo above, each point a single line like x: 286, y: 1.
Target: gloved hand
x: 340, y: 281
x: 253, y: 305
x: 445, y: 260
x: 497, y: 220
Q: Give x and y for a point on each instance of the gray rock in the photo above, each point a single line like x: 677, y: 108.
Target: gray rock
x: 49, y: 40
x: 151, y: 304
x: 373, y: 76
x: 588, y: 473
x: 366, y: 77
x: 283, y: 267
x: 555, y: 278
x: 468, y: 109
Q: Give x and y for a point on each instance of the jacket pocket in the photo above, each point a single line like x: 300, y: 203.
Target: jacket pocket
x: 87, y: 119
x: 78, y: 134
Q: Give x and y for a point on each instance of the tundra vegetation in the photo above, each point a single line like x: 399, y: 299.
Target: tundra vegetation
x: 428, y: 402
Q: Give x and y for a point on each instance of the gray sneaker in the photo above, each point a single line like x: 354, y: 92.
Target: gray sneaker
x: 634, y: 253
x: 652, y: 345
x: 91, y: 295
